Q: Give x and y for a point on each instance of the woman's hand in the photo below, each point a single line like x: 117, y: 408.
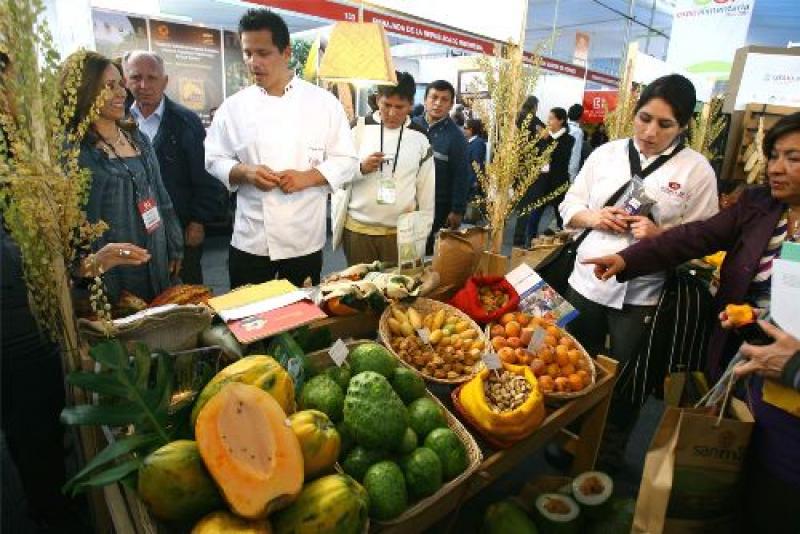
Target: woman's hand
x: 610, y: 219
x: 606, y: 266
x: 113, y: 255
x: 642, y: 227
x: 768, y: 360
x: 371, y: 163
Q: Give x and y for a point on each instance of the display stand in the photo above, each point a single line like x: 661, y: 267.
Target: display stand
x: 592, y: 407
x: 741, y: 128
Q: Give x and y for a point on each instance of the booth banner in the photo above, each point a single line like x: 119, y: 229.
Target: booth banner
x: 596, y: 104
x: 192, y: 58
x: 770, y: 79
x: 581, y: 54
x: 706, y: 34
x: 117, y: 33
x: 236, y: 75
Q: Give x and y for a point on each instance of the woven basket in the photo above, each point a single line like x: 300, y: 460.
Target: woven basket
x: 474, y: 454
x: 425, y: 306
x: 174, y: 329
x: 553, y: 396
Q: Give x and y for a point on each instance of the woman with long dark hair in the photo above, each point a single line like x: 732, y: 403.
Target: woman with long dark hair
x: 142, y: 249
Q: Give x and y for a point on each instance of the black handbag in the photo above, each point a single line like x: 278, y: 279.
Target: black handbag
x: 557, y: 270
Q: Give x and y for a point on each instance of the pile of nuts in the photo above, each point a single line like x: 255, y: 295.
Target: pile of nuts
x: 506, y: 391
x: 439, y: 362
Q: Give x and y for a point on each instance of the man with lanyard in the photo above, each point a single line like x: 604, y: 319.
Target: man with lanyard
x: 177, y: 137
x: 450, y: 156
x: 283, y: 144
x: 395, y: 177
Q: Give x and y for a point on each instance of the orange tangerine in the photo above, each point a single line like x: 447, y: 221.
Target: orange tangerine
x: 546, y: 383
x: 567, y: 370
x: 538, y: 367
x: 547, y: 355
x: 498, y: 342
x: 507, y: 318
x: 497, y: 330
x: 523, y: 319
x: 562, y: 384
x: 574, y: 356
x: 575, y: 382
x: 584, y: 377
x: 554, y: 331
x: 550, y: 340
x: 507, y: 355
x: 565, y: 341
x: 562, y: 359
x: 554, y: 370
x: 513, y: 329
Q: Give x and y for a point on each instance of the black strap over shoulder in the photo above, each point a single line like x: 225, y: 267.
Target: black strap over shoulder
x: 636, y: 170
x: 636, y: 163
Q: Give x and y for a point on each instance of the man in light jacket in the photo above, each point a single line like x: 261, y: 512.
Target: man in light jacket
x: 396, y: 176
x: 283, y: 144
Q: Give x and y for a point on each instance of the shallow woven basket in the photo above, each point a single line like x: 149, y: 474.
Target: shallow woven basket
x: 425, y: 306
x: 553, y: 396
x: 474, y: 455
x: 173, y: 329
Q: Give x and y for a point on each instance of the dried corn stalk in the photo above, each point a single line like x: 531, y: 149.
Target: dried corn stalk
x: 515, y: 162
x: 704, y: 133
x: 755, y: 162
x: 42, y: 188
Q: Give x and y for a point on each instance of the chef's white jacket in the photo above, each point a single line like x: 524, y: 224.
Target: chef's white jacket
x: 684, y: 188
x: 304, y: 128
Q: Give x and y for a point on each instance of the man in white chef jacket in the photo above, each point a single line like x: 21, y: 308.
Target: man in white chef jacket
x: 283, y: 145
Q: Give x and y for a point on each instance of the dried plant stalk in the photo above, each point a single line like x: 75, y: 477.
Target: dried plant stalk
x: 704, y: 133
x: 515, y: 162
x: 42, y: 187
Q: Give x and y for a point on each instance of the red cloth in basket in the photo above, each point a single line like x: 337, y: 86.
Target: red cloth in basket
x: 468, y: 299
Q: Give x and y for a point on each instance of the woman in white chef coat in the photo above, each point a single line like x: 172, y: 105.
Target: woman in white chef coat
x: 682, y: 186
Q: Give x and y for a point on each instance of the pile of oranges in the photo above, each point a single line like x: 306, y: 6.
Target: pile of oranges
x: 559, y: 365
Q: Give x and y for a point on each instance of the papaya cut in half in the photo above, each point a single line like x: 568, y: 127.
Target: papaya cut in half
x: 250, y: 450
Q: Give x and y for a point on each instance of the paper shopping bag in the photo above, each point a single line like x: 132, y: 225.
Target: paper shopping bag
x: 693, y: 471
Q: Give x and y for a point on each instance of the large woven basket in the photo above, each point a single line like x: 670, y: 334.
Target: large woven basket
x: 474, y: 455
x: 425, y: 306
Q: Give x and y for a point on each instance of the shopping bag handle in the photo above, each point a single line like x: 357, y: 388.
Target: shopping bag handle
x: 723, y: 388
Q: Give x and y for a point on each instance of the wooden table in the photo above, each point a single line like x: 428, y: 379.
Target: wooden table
x: 593, y: 407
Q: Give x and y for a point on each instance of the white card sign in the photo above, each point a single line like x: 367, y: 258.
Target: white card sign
x: 338, y: 352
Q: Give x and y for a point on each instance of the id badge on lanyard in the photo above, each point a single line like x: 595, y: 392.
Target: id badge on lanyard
x: 148, y: 209
x: 387, y: 187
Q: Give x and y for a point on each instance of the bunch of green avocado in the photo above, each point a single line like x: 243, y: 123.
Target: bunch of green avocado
x: 395, y: 439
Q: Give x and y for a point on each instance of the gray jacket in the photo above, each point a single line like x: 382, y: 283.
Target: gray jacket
x: 118, y: 186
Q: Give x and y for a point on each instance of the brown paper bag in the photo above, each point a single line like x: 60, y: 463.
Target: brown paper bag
x: 455, y: 258
x: 692, y: 473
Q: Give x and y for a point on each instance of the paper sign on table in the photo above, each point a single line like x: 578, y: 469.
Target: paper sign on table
x: 538, y: 298
x: 536, y: 339
x: 338, y: 352
x: 425, y: 335
x: 492, y: 361
x: 785, y: 300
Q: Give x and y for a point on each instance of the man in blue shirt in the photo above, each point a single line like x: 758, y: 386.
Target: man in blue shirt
x: 450, y: 157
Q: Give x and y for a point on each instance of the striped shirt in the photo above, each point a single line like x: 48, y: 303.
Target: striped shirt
x: 760, y: 287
